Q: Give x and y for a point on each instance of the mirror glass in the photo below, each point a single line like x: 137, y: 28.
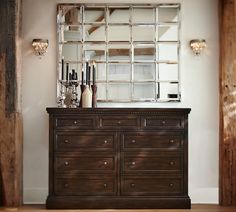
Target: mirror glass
x: 135, y: 49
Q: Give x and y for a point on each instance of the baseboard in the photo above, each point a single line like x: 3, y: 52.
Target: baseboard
x: 35, y: 195
x: 204, y: 195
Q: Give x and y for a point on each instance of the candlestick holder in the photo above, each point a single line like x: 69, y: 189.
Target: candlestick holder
x: 82, y: 88
x: 63, y: 88
x: 74, y: 100
x: 94, y: 95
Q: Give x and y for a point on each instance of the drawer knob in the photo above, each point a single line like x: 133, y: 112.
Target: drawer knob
x: 133, y: 141
x: 171, y: 184
x: 119, y: 123
x: 132, y: 185
x: 105, y: 142
x: 76, y: 122
x: 105, y: 163
x: 163, y: 122
x: 66, y: 163
x: 104, y: 185
x: 172, y: 163
x: 172, y: 141
x: 66, y: 141
x: 132, y: 163
x: 66, y: 185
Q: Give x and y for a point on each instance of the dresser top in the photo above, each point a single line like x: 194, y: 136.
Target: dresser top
x: 159, y: 111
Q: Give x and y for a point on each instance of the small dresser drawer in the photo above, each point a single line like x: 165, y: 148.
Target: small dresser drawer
x: 147, y: 163
x: 84, y: 164
x: 85, y: 185
x: 151, y: 185
x: 152, y: 141
x: 119, y: 122
x: 164, y: 122
x: 84, y: 141
x: 75, y: 122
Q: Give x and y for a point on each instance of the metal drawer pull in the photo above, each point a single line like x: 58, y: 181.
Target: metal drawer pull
x: 132, y: 163
x: 172, y: 141
x: 105, y: 142
x: 66, y: 141
x: 66, y: 163
x: 163, y: 122
x: 119, y: 122
x: 171, y: 184
x: 132, y: 185
x: 105, y: 163
x: 76, y: 122
x: 104, y: 185
x: 66, y: 185
x: 133, y: 141
x: 172, y: 163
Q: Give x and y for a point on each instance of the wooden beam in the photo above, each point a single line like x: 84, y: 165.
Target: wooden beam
x: 10, y: 102
x: 227, y: 84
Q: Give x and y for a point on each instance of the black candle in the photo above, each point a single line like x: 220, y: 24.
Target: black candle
x: 87, y: 72
x: 89, y: 75
x: 73, y: 74
x: 94, y: 74
x: 62, y: 68
x: 76, y: 76
x: 70, y: 76
x: 82, y: 78
x: 67, y: 71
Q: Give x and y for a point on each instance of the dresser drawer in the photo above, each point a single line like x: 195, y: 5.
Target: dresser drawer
x: 151, y: 185
x: 85, y: 185
x: 162, y: 122
x: 84, y: 141
x: 82, y: 164
x: 119, y: 122
x: 152, y: 141
x: 141, y: 162
x: 75, y: 122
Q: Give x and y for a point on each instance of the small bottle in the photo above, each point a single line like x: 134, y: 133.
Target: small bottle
x: 87, y: 97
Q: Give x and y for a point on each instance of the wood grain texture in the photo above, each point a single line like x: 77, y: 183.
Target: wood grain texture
x: 10, y: 116
x: 227, y: 11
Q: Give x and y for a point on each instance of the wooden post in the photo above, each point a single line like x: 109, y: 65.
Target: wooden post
x: 10, y: 103
x: 227, y: 184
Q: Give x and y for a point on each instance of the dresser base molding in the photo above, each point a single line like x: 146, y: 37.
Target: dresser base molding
x: 75, y: 202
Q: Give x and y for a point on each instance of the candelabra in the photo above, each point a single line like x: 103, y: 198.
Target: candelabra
x: 63, y: 87
x: 74, y: 100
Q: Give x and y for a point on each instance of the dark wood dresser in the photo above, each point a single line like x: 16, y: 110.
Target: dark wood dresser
x: 118, y: 158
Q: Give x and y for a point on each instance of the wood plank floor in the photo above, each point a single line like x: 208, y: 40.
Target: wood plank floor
x: 195, y: 208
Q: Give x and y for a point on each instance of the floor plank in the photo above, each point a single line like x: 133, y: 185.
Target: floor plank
x: 195, y: 208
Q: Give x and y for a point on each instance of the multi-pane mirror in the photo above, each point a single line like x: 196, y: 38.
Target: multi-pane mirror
x: 135, y: 47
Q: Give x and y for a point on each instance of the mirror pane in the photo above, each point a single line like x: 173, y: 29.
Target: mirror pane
x: 169, y: 91
x: 72, y: 33
x: 168, y: 33
x: 118, y: 15
x: 168, y: 72
x: 118, y: 52
x: 144, y: 52
x: 144, y: 71
x: 118, y: 33
x: 72, y: 52
x: 167, y: 14
x: 94, y: 14
x: 168, y: 52
x: 70, y: 15
x: 119, y: 71
x: 144, y: 91
x: 143, y: 15
x: 101, y: 91
x: 101, y: 71
x: 94, y: 32
x: 119, y: 91
x: 144, y: 33
x: 94, y: 52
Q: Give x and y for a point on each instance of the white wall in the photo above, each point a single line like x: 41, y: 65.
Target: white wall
x: 199, y: 80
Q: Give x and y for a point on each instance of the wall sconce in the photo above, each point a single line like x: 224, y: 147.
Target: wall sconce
x: 197, y: 46
x: 40, y: 46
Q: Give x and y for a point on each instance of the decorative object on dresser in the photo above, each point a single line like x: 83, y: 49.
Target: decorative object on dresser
x: 118, y: 158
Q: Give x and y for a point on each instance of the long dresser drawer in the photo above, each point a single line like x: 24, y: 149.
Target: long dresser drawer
x: 151, y: 185
x: 162, y: 122
x: 144, y: 162
x: 84, y: 141
x: 85, y: 185
x: 152, y: 141
x: 82, y: 163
